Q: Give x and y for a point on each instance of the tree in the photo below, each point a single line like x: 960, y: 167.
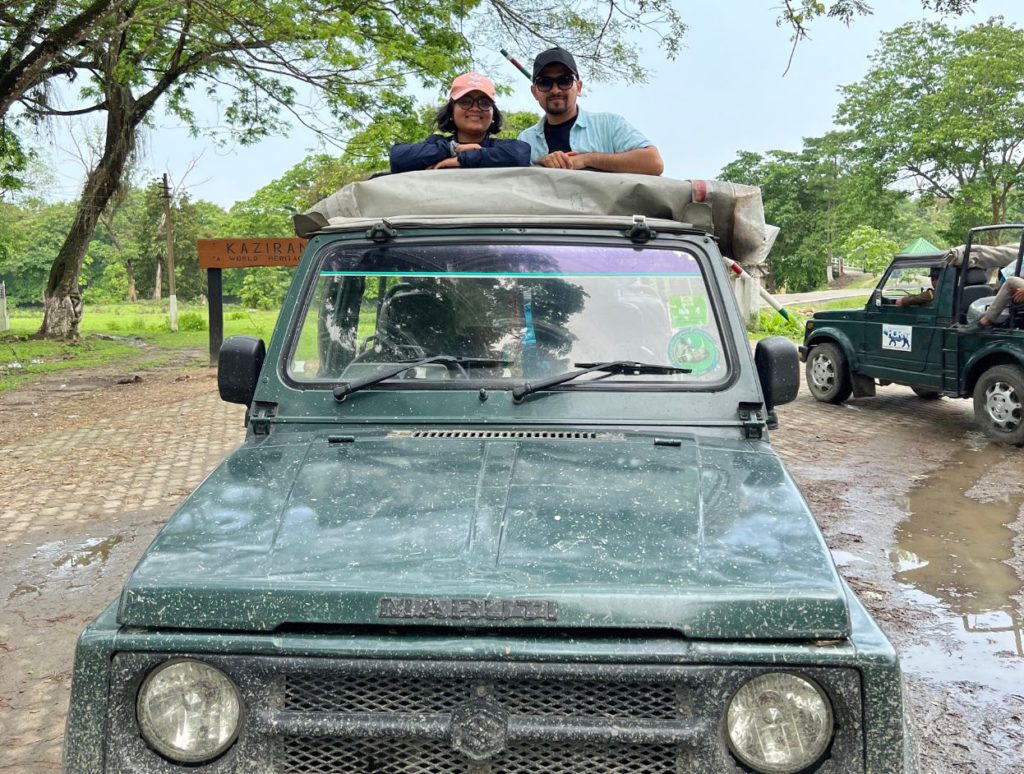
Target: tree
x: 39, y: 39
x: 799, y: 14
x: 945, y: 109
x: 815, y: 197
x: 869, y: 248
x: 358, y: 57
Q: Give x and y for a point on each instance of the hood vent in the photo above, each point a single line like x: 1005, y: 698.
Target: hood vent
x: 502, y: 434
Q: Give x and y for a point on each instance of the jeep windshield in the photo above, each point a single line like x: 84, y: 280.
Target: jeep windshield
x: 498, y: 314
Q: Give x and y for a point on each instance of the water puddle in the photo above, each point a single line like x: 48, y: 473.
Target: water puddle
x: 22, y: 589
x: 90, y: 551
x: 952, y: 553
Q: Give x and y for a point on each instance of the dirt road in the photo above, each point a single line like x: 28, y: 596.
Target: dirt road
x: 92, y: 468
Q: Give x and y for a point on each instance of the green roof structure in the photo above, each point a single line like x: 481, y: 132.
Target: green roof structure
x: 920, y: 246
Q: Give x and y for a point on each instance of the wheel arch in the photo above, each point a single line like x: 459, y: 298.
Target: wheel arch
x: 838, y: 338
x: 986, y: 359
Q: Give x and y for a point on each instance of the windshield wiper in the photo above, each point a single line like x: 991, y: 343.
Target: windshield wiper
x: 343, y: 390
x: 611, y: 368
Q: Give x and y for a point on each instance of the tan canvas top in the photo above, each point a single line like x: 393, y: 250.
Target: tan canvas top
x: 733, y: 213
x: 986, y: 256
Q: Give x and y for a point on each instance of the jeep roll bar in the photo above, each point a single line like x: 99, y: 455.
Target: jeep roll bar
x: 966, y: 262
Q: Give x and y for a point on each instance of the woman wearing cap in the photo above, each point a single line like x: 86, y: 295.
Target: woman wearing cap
x: 469, y: 118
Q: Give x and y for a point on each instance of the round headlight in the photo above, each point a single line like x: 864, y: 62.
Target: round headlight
x: 779, y: 723
x: 189, y: 711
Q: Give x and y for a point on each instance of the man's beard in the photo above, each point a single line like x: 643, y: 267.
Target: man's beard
x: 556, y: 111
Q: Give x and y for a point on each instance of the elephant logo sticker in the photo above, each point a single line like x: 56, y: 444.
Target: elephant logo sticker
x: 898, y: 337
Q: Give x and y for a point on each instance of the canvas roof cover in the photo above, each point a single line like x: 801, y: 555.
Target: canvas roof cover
x: 986, y: 256
x: 733, y: 213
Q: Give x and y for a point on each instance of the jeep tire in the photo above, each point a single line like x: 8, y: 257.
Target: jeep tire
x: 827, y: 375
x: 999, y: 404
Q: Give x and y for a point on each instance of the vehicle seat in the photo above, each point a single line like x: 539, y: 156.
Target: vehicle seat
x: 417, y: 322
x: 976, y: 286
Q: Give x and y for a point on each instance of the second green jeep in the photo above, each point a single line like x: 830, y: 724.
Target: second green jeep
x: 916, y: 330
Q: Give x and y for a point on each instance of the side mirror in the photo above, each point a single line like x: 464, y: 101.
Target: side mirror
x: 778, y: 369
x: 238, y: 368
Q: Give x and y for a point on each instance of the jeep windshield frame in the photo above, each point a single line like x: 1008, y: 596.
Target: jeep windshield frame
x: 579, y: 300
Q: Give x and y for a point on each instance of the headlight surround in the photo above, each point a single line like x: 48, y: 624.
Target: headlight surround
x: 779, y: 723
x: 189, y: 711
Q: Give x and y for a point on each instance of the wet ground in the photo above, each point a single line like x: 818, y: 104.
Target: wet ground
x: 921, y: 512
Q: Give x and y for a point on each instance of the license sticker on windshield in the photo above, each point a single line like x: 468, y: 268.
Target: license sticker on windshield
x: 688, y: 311
x: 897, y: 337
x: 693, y: 349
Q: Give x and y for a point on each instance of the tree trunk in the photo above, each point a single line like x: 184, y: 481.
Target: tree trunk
x: 158, y: 281
x: 133, y: 294
x: 63, y: 297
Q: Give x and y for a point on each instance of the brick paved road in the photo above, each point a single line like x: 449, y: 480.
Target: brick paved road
x: 78, y: 504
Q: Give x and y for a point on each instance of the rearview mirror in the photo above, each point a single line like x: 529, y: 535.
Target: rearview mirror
x: 778, y: 369
x: 238, y: 368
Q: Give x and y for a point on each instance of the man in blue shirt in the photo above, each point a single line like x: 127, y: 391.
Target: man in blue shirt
x: 570, y: 138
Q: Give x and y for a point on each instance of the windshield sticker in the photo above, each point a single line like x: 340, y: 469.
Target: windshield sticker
x: 693, y: 349
x: 688, y: 311
x: 898, y: 337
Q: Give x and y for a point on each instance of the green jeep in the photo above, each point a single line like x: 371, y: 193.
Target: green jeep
x: 506, y: 503
x: 923, y: 337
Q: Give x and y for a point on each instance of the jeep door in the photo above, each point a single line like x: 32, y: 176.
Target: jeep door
x: 900, y: 327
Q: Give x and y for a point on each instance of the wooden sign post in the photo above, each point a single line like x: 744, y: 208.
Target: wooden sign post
x: 218, y: 254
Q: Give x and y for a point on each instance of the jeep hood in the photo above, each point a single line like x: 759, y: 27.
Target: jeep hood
x: 711, y: 540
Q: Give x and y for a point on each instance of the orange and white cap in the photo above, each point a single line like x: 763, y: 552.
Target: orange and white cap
x: 468, y: 82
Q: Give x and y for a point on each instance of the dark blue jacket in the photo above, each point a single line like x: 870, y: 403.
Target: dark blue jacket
x: 412, y: 156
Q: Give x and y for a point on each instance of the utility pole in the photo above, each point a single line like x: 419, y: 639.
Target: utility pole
x: 170, y: 256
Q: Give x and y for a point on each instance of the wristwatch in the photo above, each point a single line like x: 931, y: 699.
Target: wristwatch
x: 453, y: 148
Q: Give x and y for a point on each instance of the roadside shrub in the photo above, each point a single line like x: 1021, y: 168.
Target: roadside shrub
x: 238, y: 314
x: 137, y: 324
x: 191, y: 321
x: 768, y: 322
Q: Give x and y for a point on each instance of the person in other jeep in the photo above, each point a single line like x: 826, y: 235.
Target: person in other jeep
x: 1012, y: 287
x: 925, y: 296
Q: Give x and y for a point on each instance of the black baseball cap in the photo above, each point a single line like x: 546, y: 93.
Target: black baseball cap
x: 554, y: 56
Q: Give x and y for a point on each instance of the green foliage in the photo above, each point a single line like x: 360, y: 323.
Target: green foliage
x: 268, y: 212
x: 13, y: 161
x: 191, y: 321
x: 799, y: 14
x: 264, y: 287
x: 31, y: 234
x: 945, y: 108
x: 813, y: 197
x: 869, y: 248
x: 768, y: 322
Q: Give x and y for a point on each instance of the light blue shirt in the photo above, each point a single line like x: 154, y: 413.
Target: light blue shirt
x: 592, y: 133
x: 1006, y: 272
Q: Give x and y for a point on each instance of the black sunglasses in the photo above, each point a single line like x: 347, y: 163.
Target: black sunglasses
x: 544, y: 83
x: 466, y: 102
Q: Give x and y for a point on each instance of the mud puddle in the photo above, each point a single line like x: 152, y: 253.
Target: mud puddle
x: 951, y: 557
x: 64, y: 560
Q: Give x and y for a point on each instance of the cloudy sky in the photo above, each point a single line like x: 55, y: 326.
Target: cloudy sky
x: 725, y: 92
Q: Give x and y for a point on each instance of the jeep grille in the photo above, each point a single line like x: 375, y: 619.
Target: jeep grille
x: 381, y: 716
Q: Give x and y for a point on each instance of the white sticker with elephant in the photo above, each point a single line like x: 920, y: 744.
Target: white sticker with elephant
x: 897, y: 337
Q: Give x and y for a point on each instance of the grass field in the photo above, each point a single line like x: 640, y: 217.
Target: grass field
x: 137, y: 335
